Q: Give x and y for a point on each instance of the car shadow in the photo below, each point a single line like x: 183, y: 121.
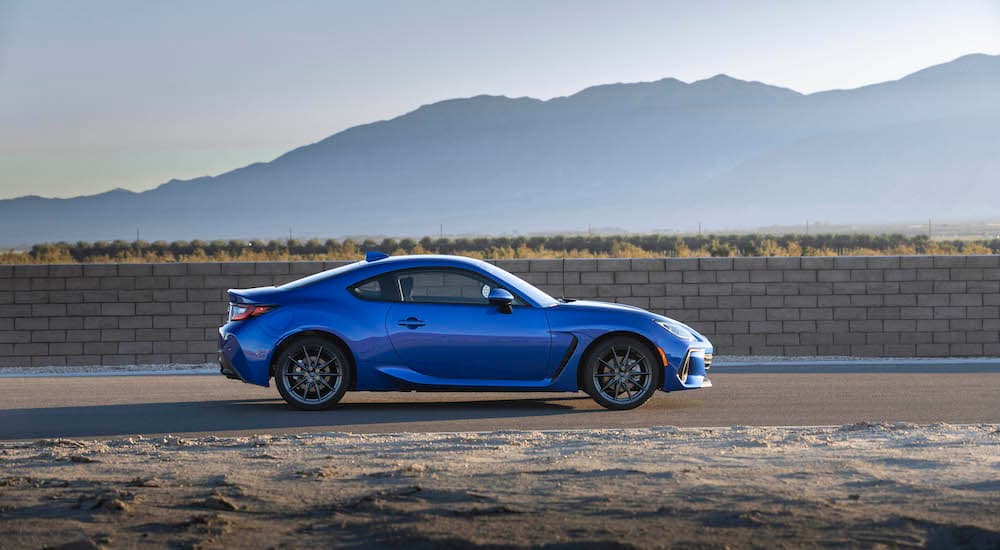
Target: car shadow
x: 263, y: 415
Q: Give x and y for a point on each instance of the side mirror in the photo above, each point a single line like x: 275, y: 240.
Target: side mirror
x: 503, y: 299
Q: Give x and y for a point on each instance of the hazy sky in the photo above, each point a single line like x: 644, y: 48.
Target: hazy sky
x: 102, y: 94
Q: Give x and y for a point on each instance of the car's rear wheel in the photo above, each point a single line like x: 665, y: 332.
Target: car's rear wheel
x: 621, y: 373
x: 312, y: 373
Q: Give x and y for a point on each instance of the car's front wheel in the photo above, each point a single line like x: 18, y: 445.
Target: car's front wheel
x: 312, y: 373
x: 621, y: 373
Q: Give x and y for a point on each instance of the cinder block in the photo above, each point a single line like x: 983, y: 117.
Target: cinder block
x: 882, y: 262
x: 866, y: 275
x: 900, y: 300
x: 581, y: 291
x: 833, y: 301
x: 193, y: 281
x: 933, y: 275
x: 697, y: 277
x: 117, y: 335
x: 169, y: 321
x: 583, y: 264
x: 72, y: 270
x: 152, y: 334
x: 700, y: 302
x: 611, y: 291
x: 681, y: 264
x: 866, y: 350
x: 897, y: 275
x: 949, y: 261
x: 850, y: 262
x: 734, y: 327
x: 749, y: 289
x: 83, y: 283
x: 765, y: 327
x: 916, y: 313
x: 34, y: 297
x: 31, y: 271
x: 800, y: 301
x: 135, y: 270
x: 118, y: 359
x: 135, y: 347
x: 169, y: 295
x: 965, y: 299
x: 734, y: 301
x: 613, y: 264
x: 850, y: 338
x: 980, y: 287
x: 545, y: 265
x: 83, y: 360
x: 667, y: 302
x: 214, y: 268
x: 188, y: 358
x: 982, y: 337
x: 100, y: 348
x: 816, y: 338
x: 65, y: 348
x: 100, y: 270
x: 899, y: 325
x: 949, y: 312
x: 118, y: 309
x: 48, y: 284
x: 782, y: 263
x: 100, y: 296
x: 782, y: 289
x: 900, y: 350
x: 866, y: 325
x: 801, y: 276
x: 631, y: 277
x: 100, y: 322
x: 817, y: 262
x: 187, y: 308
x: 782, y: 314
x: 816, y: 314
x: 765, y: 276
x: 916, y: 262
x: 61, y: 323
x: 949, y: 337
x: 749, y: 314
x: 849, y: 288
x: 647, y: 264
x: 717, y: 315
x: 799, y: 326
x: 783, y: 339
x: 865, y: 300
x: 715, y: 289
x: 849, y: 313
x: 834, y: 350
x: 178, y: 334
x: 985, y: 312
x: 650, y: 290
x: 715, y: 264
x: 136, y: 321
x: 749, y: 263
x: 31, y: 323
x: 733, y: 276
x: 966, y: 350
x: 48, y: 336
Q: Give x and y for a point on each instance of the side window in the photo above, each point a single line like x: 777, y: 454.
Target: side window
x: 446, y: 286
x: 381, y: 289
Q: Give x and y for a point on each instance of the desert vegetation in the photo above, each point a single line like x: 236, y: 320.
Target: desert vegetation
x: 556, y: 246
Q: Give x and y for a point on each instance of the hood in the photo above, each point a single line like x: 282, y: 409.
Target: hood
x: 603, y: 306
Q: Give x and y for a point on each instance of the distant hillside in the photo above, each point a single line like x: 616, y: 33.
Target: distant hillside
x: 664, y: 154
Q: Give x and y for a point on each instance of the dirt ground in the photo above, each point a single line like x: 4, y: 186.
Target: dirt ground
x: 864, y: 485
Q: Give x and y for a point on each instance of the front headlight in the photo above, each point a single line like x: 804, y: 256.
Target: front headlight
x: 676, y: 329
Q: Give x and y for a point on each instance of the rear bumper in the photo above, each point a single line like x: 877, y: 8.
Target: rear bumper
x: 235, y: 363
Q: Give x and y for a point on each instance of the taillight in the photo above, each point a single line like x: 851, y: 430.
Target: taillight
x: 240, y: 312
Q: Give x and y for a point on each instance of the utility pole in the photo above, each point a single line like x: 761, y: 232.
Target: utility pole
x: 930, y: 229
x: 807, y: 227
x: 699, y: 229
x: 440, y: 230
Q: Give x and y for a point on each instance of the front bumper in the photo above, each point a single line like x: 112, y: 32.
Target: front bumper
x: 689, y: 372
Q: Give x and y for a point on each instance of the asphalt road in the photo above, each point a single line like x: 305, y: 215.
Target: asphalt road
x: 85, y: 407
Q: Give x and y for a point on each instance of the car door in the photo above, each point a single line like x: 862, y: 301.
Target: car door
x: 445, y: 328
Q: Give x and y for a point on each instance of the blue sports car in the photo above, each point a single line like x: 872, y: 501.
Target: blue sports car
x: 450, y: 323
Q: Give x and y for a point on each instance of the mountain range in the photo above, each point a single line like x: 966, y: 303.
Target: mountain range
x: 667, y: 154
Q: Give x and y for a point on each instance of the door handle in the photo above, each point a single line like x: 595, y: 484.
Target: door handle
x: 411, y: 322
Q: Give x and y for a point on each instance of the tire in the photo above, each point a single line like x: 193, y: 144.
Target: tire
x: 622, y: 373
x: 313, y: 373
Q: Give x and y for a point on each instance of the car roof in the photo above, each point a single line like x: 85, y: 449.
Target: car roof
x: 363, y: 269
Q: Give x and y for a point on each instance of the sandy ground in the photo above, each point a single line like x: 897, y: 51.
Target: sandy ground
x: 865, y: 485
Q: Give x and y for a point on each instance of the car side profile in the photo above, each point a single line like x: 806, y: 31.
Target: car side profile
x: 437, y: 323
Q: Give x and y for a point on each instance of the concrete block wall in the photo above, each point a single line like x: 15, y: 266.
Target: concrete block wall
x: 910, y: 306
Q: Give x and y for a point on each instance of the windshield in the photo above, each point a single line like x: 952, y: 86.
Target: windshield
x: 526, y: 289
